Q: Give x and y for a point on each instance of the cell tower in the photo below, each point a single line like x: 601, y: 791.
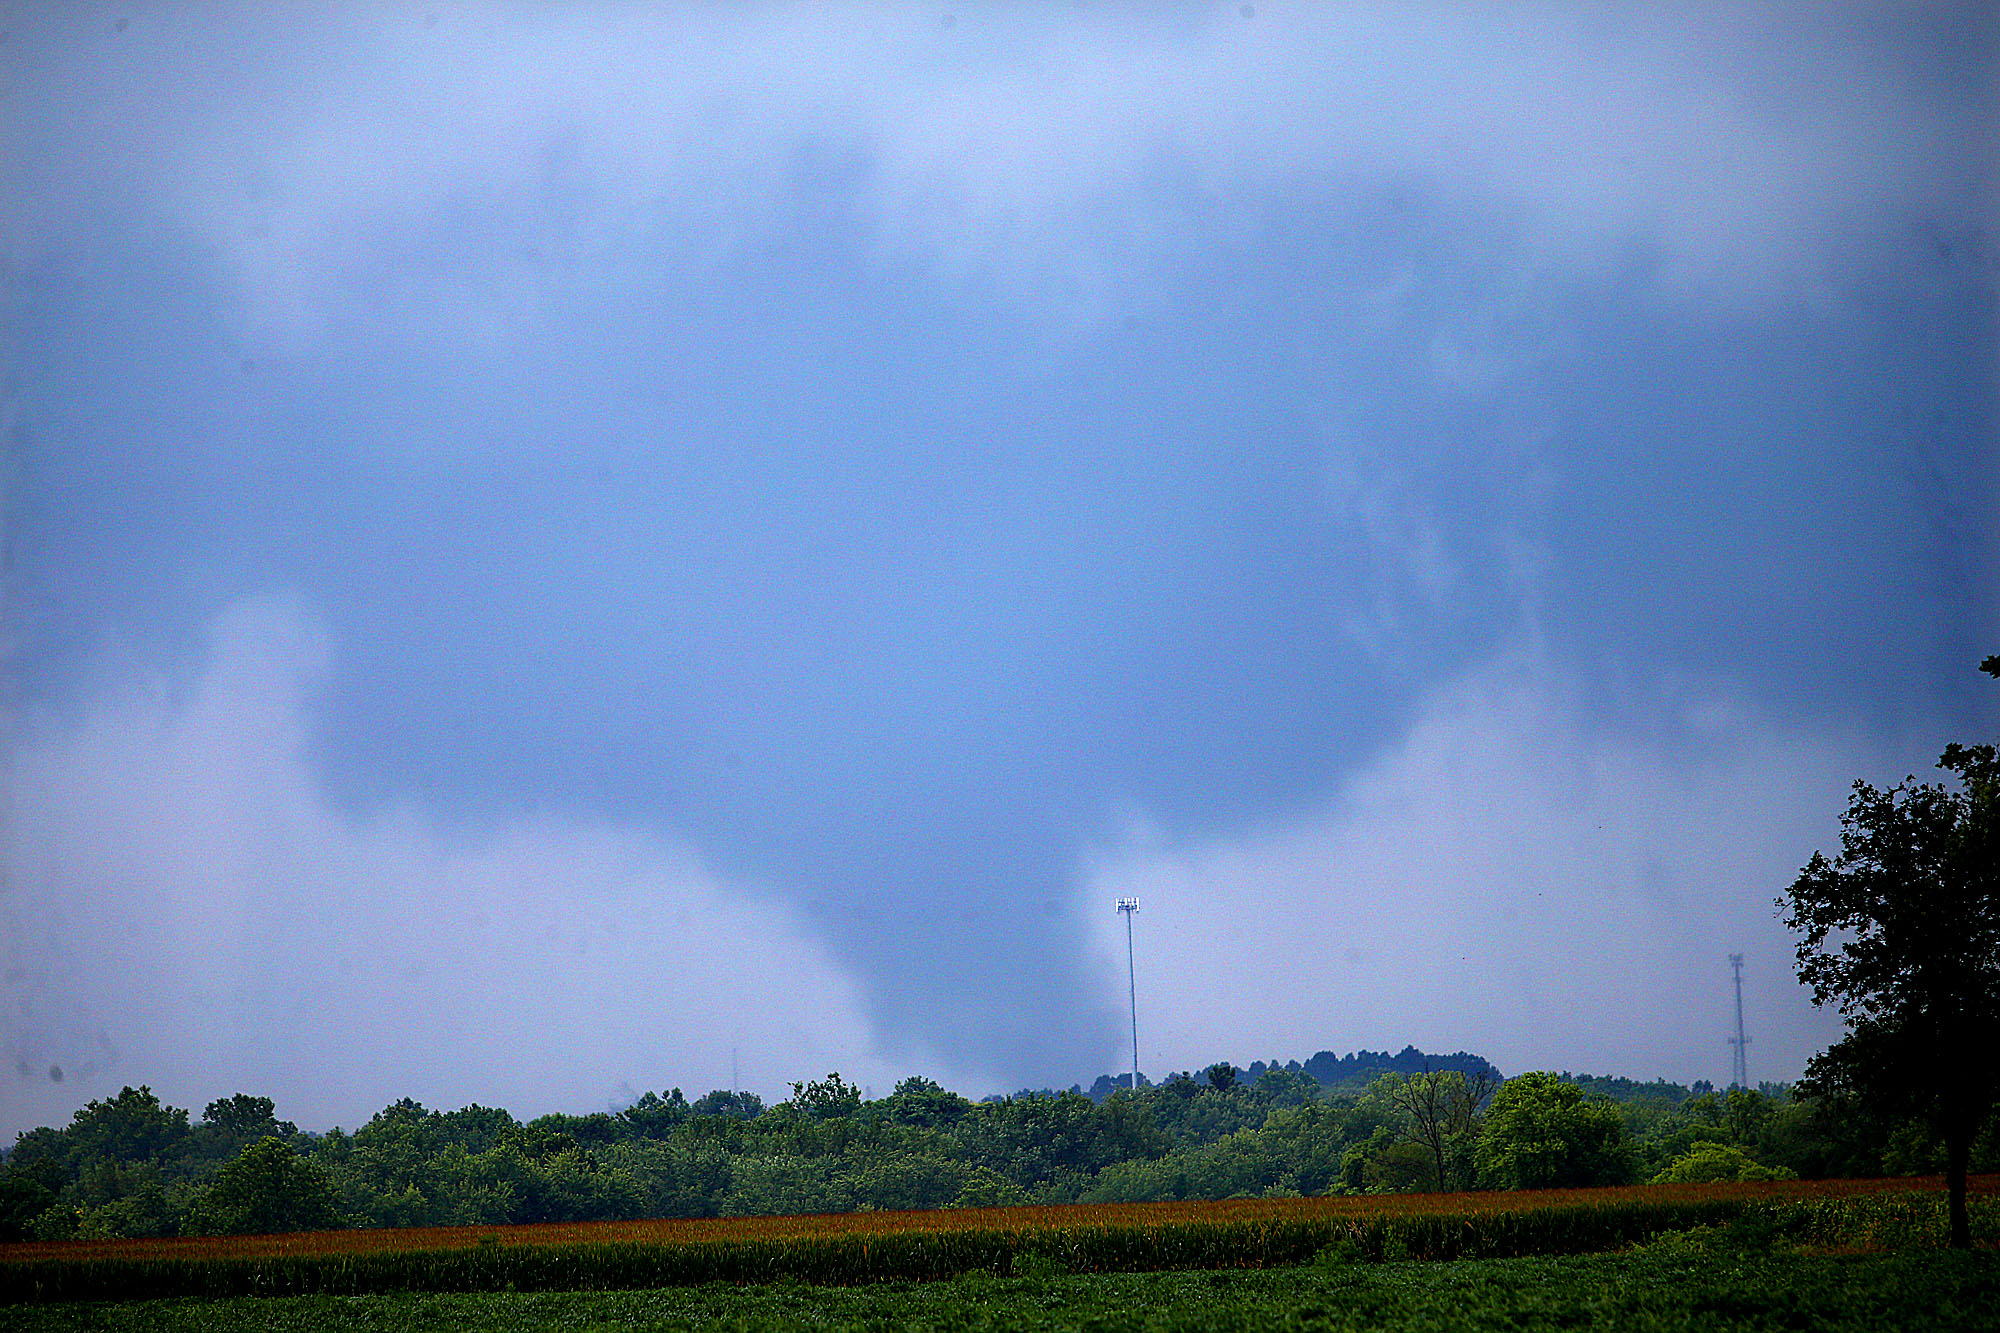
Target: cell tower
x: 1126, y: 908
x: 1740, y: 1078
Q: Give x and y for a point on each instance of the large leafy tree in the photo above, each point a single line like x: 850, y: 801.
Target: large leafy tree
x: 267, y: 1188
x: 1542, y: 1133
x: 134, y: 1126
x: 1901, y: 931
x: 924, y: 1103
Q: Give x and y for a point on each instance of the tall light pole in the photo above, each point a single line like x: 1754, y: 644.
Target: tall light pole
x: 1126, y: 907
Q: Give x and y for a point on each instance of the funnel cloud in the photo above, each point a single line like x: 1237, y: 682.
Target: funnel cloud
x: 550, y: 555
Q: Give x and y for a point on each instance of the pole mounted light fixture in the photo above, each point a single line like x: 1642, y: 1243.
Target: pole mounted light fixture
x: 1127, y: 907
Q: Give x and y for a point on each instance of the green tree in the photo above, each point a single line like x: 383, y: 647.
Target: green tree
x: 828, y: 1098
x: 986, y: 1188
x: 22, y: 1198
x: 1040, y: 1142
x: 1540, y: 1133
x: 1387, y: 1163
x: 230, y: 1124
x: 140, y: 1203
x: 724, y: 1103
x: 244, y: 1114
x: 1437, y: 1111
x: 922, y: 1102
x: 1901, y: 931
x: 387, y: 1171
x: 1287, y: 1087
x: 1707, y: 1162
x: 656, y: 1117
x: 266, y: 1188
x: 132, y: 1127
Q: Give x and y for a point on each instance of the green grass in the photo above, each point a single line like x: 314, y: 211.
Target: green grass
x: 1705, y: 1284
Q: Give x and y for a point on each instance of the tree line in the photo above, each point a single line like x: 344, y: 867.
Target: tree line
x: 1900, y: 931
x: 133, y: 1166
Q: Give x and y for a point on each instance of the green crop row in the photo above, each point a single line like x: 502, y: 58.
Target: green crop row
x: 1906, y: 1220
x: 840, y: 1258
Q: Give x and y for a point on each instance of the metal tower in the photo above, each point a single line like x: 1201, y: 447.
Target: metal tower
x: 1740, y: 1078
x: 1126, y: 908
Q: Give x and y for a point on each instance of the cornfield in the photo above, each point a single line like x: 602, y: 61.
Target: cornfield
x: 871, y: 1247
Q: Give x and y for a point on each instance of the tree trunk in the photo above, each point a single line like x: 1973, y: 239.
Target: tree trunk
x: 1957, y: 1157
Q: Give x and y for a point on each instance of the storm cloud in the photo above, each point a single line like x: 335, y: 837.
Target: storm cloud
x: 484, y: 483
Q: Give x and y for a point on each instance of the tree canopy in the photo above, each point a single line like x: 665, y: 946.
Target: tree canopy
x: 268, y: 1188
x: 1439, y: 1115
x: 1901, y: 932
x: 1542, y: 1133
x: 131, y: 1166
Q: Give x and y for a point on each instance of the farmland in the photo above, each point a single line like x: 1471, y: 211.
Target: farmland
x: 1354, y: 1209
x: 1671, y: 1286
x: 864, y: 1248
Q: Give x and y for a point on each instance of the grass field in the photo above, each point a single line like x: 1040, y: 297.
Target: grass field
x: 1644, y: 1292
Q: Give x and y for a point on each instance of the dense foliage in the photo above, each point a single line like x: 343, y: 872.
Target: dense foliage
x: 1669, y: 1287
x: 130, y: 1166
x: 1542, y: 1133
x: 1901, y: 932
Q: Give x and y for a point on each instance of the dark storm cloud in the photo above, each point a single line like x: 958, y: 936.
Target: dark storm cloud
x: 896, y: 462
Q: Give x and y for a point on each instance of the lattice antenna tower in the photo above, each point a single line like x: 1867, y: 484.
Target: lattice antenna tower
x: 1740, y: 1076
x: 1127, y: 907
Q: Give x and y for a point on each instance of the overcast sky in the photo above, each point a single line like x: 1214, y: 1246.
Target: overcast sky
x: 555, y: 551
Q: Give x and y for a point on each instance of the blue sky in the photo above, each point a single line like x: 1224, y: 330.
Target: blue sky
x: 557, y: 552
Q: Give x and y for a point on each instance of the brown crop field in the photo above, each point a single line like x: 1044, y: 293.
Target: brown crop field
x: 875, y: 1246
x: 690, y: 1231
